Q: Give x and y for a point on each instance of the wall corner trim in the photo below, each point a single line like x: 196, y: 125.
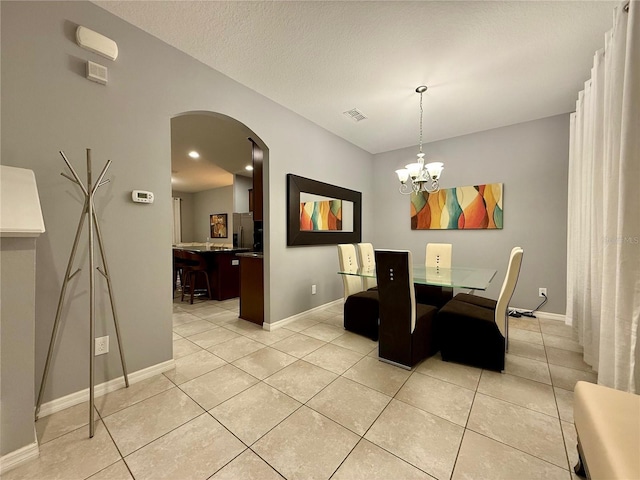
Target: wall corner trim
x: 117, y: 383
x: 16, y: 458
x: 285, y: 321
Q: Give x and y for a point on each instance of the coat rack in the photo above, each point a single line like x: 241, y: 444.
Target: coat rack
x: 87, y: 211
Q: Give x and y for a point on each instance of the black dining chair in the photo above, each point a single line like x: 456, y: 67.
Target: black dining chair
x: 360, y: 307
x: 407, y: 331
x: 474, y: 331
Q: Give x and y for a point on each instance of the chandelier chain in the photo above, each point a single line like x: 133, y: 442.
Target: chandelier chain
x: 421, y: 112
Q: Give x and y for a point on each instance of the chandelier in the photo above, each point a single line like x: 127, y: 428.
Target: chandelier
x: 424, y: 178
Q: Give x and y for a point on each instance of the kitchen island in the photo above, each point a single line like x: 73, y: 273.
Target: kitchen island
x: 223, y: 268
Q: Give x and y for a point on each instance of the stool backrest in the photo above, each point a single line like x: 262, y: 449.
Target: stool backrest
x: 349, y: 263
x: 191, y: 260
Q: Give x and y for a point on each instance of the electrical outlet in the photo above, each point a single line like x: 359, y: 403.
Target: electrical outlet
x: 102, y: 345
x: 542, y: 292
x: 313, y: 289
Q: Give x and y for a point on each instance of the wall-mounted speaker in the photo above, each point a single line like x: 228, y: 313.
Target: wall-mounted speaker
x: 97, y: 43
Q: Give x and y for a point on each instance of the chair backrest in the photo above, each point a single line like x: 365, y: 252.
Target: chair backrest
x: 508, y: 287
x: 349, y: 263
x: 438, y: 255
x: 367, y: 260
x: 394, y: 270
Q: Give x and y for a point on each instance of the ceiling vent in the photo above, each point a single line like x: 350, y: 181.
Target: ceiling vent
x: 355, y: 114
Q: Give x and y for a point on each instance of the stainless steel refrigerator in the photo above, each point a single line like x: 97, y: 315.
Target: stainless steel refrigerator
x: 243, y: 230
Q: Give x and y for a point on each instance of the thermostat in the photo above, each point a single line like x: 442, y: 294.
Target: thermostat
x: 141, y: 196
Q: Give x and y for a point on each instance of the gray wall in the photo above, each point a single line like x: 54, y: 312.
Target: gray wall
x: 186, y: 215
x: 531, y: 159
x: 128, y: 121
x: 209, y: 202
x: 17, y: 334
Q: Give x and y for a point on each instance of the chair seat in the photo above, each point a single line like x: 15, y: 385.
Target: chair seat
x: 476, y: 300
x: 469, y: 335
x: 361, y: 313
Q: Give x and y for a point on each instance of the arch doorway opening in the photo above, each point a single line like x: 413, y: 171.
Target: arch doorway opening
x: 218, y: 168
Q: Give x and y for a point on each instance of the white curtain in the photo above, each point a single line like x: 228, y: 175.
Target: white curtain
x: 177, y: 221
x: 603, y: 236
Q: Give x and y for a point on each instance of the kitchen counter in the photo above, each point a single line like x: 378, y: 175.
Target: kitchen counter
x: 251, y: 254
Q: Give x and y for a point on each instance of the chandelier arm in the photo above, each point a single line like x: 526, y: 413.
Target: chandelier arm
x: 404, y: 189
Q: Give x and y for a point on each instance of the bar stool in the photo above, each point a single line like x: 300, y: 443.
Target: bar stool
x: 192, y: 264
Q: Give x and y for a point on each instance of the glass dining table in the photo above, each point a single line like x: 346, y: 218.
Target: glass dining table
x: 454, y: 277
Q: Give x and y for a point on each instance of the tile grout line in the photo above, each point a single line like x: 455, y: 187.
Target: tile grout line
x: 116, y: 446
x: 555, y: 398
x: 466, y: 424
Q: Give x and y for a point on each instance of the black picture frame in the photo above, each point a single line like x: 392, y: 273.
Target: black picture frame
x: 295, y: 236
x: 218, y: 225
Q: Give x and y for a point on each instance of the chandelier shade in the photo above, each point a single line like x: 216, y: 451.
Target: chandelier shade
x: 422, y: 177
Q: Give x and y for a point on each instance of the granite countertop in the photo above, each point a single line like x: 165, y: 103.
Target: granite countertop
x: 210, y: 249
x: 251, y: 254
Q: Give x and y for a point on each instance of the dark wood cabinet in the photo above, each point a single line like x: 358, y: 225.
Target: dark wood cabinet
x: 257, y: 157
x: 251, y: 199
x: 224, y: 275
x: 252, y: 288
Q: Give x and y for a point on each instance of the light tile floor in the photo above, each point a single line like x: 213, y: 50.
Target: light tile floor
x: 311, y: 401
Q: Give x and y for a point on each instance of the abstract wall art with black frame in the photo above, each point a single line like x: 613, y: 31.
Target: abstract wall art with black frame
x: 319, y: 213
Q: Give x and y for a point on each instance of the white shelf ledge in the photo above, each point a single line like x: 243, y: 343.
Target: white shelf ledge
x: 20, y: 212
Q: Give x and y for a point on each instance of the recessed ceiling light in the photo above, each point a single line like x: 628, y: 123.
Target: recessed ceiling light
x: 248, y: 167
x: 194, y: 154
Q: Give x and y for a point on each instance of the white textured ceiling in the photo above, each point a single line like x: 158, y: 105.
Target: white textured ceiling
x: 223, y: 145
x: 487, y: 63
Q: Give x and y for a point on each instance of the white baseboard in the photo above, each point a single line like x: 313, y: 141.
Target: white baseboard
x: 16, y: 458
x: 83, y: 395
x: 545, y: 315
x: 281, y: 323
x: 551, y: 316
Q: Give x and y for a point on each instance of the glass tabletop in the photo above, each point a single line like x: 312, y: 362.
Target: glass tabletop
x: 457, y: 277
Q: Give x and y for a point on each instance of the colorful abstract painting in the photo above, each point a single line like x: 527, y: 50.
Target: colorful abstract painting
x: 459, y: 208
x: 325, y: 215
